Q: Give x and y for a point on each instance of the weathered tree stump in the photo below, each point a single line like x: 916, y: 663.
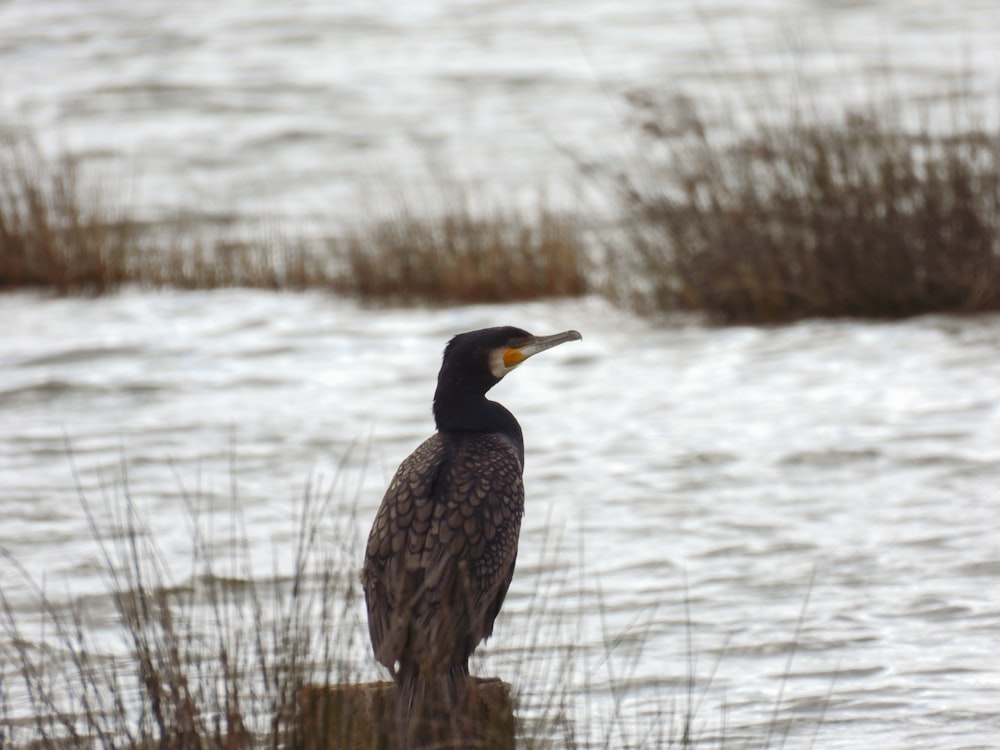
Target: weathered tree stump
x: 363, y: 717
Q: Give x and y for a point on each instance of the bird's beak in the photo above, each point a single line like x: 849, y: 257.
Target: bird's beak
x: 519, y: 350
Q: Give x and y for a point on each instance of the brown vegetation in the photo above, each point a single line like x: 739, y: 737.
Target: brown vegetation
x: 203, y: 670
x: 464, y: 258
x: 857, y: 218
x: 56, y: 232
x: 220, y: 656
x: 224, y: 660
x: 48, y: 235
x: 62, y: 232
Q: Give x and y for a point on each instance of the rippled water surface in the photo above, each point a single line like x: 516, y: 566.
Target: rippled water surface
x: 803, y: 520
x: 293, y: 112
x: 693, y: 493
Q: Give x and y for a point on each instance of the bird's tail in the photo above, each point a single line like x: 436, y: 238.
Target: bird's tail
x: 433, y: 710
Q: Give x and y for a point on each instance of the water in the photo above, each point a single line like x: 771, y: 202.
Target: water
x: 803, y: 518
x: 729, y: 495
x: 298, y: 113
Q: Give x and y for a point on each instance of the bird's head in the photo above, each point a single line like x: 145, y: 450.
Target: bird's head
x: 480, y: 359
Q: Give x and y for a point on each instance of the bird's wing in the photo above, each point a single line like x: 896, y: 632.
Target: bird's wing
x: 441, y: 552
x: 480, y: 524
x: 400, y: 525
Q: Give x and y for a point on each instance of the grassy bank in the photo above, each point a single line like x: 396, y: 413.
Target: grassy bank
x: 859, y: 215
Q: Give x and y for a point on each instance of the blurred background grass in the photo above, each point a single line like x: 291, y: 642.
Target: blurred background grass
x: 872, y: 214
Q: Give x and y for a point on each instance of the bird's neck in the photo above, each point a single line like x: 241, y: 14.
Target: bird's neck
x: 468, y: 410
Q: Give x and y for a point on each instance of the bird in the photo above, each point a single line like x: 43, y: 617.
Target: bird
x: 441, y: 552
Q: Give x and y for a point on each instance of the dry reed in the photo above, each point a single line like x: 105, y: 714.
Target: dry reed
x: 461, y: 257
x: 861, y: 217
x: 858, y: 217
x: 49, y: 235
x: 219, y: 658
x: 215, y: 661
x: 61, y: 232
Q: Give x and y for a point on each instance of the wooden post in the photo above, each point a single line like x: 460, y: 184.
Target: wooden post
x: 361, y: 717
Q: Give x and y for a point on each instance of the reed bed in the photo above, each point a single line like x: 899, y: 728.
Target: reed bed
x: 861, y: 217
x: 61, y: 232
x: 50, y: 235
x: 460, y: 257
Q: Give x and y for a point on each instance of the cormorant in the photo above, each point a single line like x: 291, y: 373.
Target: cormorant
x: 441, y: 551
